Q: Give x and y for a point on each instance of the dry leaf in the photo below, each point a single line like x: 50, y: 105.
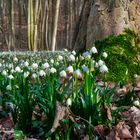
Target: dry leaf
x: 122, y: 131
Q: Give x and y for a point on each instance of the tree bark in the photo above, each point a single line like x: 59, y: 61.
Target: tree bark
x: 80, y: 33
x: 55, y: 21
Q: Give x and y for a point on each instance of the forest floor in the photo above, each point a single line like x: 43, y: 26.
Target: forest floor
x: 123, y: 130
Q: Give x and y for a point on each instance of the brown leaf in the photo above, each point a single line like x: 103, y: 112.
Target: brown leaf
x: 122, y: 131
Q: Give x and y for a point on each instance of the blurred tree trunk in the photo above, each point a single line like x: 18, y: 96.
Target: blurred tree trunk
x: 55, y: 22
x: 80, y: 33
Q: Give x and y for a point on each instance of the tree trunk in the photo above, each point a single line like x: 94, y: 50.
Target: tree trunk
x: 55, y: 20
x: 80, y: 34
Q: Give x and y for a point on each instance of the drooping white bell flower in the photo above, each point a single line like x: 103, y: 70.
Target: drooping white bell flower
x: 34, y: 65
x: 18, y: 69
x: 4, y: 72
x: 137, y: 103
x: 26, y: 64
x: 63, y: 74
x: 103, y: 69
x: 93, y: 50
x: 60, y: 58
x: 42, y: 73
x: 69, y: 102
x: 8, y: 87
x: 85, y: 68
x: 100, y: 62
x: 70, y: 69
x: 105, y: 54
x: 46, y: 65
x: 52, y: 70
x: 78, y: 74
x: 26, y: 74
x: 11, y: 77
x: 71, y: 58
x: 86, y: 55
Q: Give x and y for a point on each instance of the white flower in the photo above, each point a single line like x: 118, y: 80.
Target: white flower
x: 78, y: 73
x: 12, y: 71
x: 105, y: 54
x: 103, y: 69
x: 52, y: 70
x: 46, y: 65
x: 10, y: 65
x: 100, y: 62
x: 4, y: 72
x: 96, y: 65
x: 73, y: 52
x: 17, y: 69
x: 42, y: 73
x: 93, y: 50
x: 8, y: 87
x: 69, y: 69
x: 15, y: 59
x: 0, y: 65
x: 52, y: 61
x: 34, y: 75
x: 63, y: 74
x: 71, y: 58
x: 26, y: 74
x: 137, y: 103
x: 66, y: 50
x: 69, y: 102
x: 60, y: 58
x: 34, y: 65
x: 85, y: 68
x: 26, y: 64
x: 11, y: 77
x: 86, y: 54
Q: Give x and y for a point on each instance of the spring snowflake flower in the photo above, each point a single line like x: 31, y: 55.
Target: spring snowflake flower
x: 11, y: 77
x: 78, y: 74
x: 26, y: 74
x: 4, y: 72
x: 60, y: 58
x: 12, y: 71
x: 105, y: 54
x: 63, y: 74
x: 34, y: 75
x: 71, y: 58
x: 73, y: 52
x: 93, y: 50
x: 52, y: 70
x: 10, y: 66
x: 26, y: 64
x: 86, y: 54
x: 66, y: 50
x: 46, y: 65
x: 34, y: 65
x: 42, y: 73
x: 103, y: 69
x: 69, y: 102
x: 15, y: 59
x: 137, y: 103
x: 85, y: 68
x: 70, y: 69
x: 100, y: 62
x: 17, y: 69
x: 8, y: 87
x: 52, y: 61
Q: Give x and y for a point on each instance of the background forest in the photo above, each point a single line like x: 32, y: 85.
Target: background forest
x: 56, y: 24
